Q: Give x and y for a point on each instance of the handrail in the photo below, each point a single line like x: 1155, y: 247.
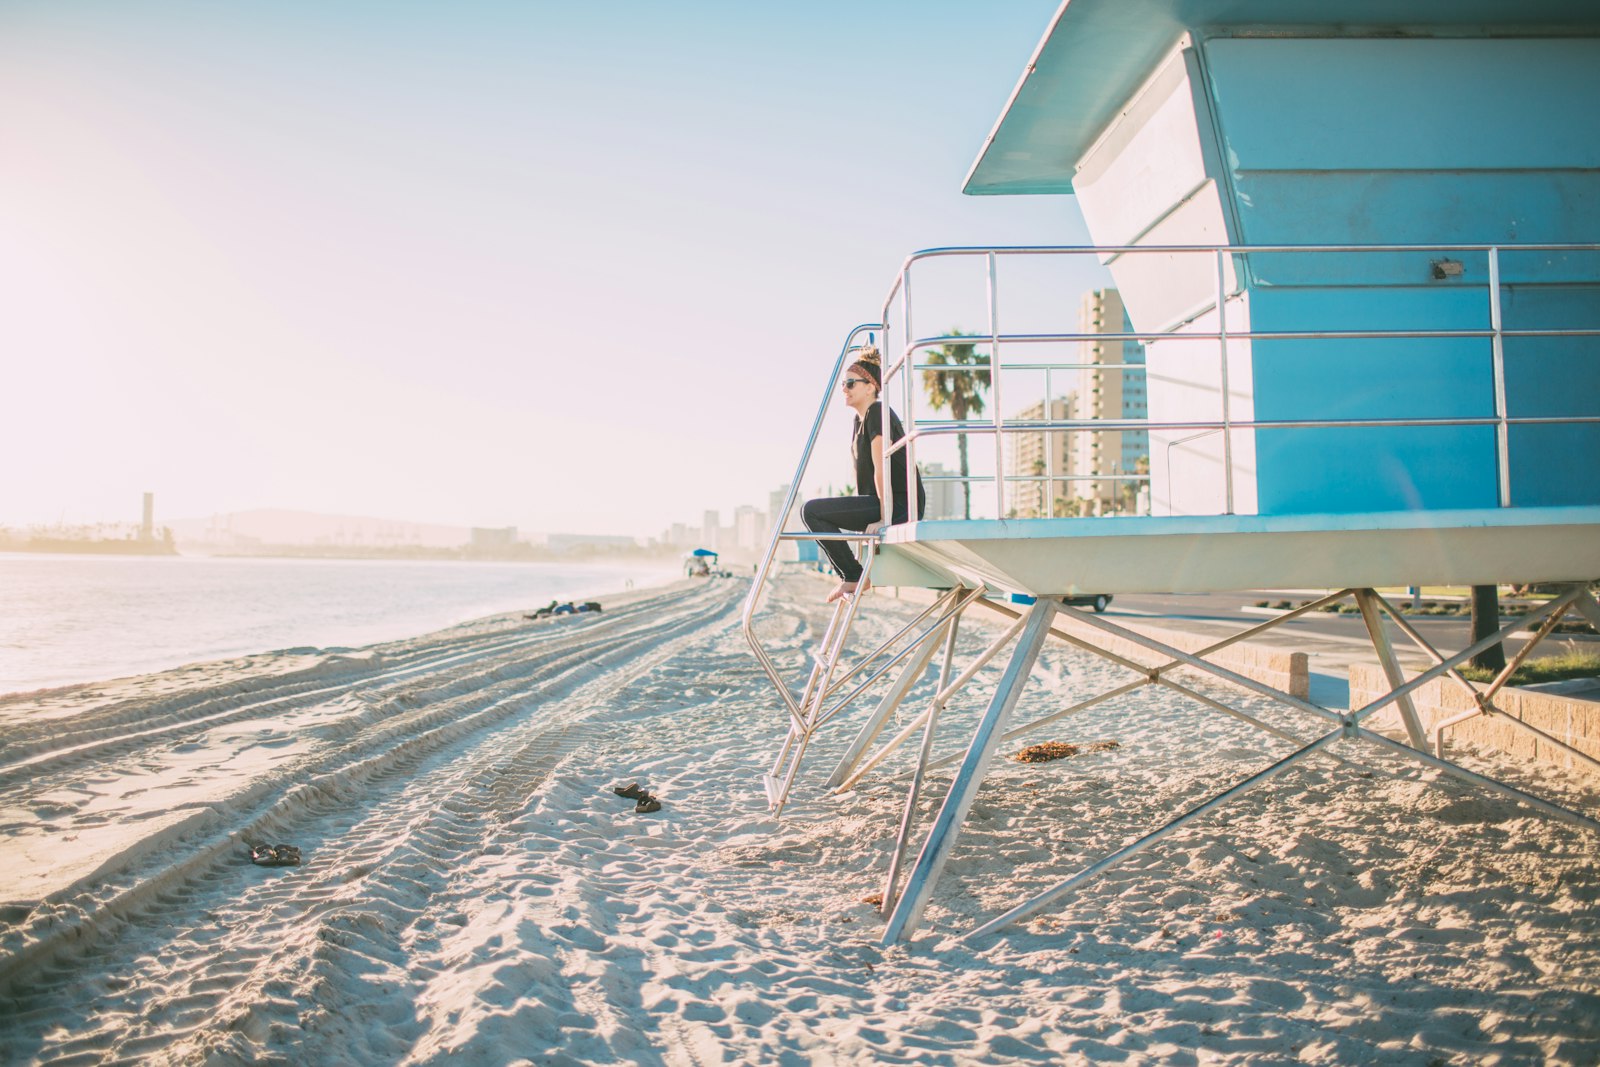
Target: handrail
x: 944, y: 251
x: 747, y: 621
x: 1211, y: 335
x: 950, y: 427
x: 1228, y: 284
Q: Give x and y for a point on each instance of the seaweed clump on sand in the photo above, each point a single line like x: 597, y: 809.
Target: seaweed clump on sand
x: 1046, y: 751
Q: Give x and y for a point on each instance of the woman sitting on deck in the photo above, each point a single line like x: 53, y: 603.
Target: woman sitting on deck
x: 836, y: 514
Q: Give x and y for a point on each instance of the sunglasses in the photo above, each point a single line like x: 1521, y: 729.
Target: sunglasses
x: 851, y: 383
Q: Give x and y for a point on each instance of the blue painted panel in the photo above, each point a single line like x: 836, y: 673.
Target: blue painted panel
x: 1397, y: 379
x: 1431, y: 104
x: 1371, y: 378
x: 1445, y: 307
x: 1416, y: 141
x: 1419, y: 207
x: 1398, y: 468
x: 1555, y: 465
x: 1552, y: 376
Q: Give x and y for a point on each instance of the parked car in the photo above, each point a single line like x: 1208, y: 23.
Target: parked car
x: 1098, y: 601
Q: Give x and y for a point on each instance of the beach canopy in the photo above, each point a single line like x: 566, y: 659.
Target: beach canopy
x: 703, y: 552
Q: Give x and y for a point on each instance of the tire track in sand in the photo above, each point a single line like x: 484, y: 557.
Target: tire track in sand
x: 207, y: 884
x: 123, y: 726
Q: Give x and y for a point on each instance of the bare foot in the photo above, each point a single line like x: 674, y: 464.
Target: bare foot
x: 843, y: 589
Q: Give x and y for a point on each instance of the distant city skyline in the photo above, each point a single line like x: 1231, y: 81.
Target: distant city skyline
x: 562, y: 268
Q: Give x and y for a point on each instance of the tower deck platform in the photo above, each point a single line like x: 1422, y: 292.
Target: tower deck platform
x: 1218, y: 553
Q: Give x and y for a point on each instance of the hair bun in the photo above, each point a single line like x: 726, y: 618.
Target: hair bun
x: 868, y: 354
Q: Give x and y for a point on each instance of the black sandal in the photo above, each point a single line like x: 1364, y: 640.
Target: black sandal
x: 647, y: 805
x: 275, y: 856
x: 631, y: 792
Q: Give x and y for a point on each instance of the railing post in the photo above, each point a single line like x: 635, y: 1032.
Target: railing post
x: 1047, y: 499
x: 1502, y: 435
x: 1222, y: 340
x: 994, y: 393
x: 907, y: 362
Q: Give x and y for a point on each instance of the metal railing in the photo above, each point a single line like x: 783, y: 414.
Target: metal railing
x: 905, y: 364
x: 818, y: 701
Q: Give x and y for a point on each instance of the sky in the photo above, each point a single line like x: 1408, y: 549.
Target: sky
x: 570, y: 267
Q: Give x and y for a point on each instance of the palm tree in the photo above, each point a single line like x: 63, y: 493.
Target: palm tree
x: 1485, y: 621
x: 959, y: 390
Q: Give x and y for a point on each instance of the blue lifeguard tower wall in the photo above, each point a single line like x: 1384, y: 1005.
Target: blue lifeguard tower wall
x: 1258, y: 133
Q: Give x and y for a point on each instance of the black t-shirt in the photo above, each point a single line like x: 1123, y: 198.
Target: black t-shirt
x: 861, y: 448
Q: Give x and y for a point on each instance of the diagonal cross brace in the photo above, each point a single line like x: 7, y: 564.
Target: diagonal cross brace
x: 947, y: 825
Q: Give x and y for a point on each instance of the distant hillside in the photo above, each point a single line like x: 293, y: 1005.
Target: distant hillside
x: 269, y: 526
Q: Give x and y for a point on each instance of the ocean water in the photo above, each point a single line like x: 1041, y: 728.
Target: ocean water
x: 66, y: 619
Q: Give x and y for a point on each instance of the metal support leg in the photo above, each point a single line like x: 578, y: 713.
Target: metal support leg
x: 914, y: 793
x: 1370, y: 602
x: 1366, y: 599
x: 1444, y: 666
x: 1484, y: 699
x: 928, y: 645
x: 1029, y: 907
x: 939, y: 698
x: 947, y: 826
x: 1156, y: 675
x: 886, y: 707
x: 1586, y: 606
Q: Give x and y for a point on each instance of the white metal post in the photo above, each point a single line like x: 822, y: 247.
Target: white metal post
x: 1366, y: 600
x: 914, y: 792
x: 1047, y: 509
x: 947, y: 826
x: 1222, y: 338
x: 1502, y: 434
x: 908, y: 362
x: 994, y: 392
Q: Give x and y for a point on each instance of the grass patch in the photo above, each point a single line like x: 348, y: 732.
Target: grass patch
x: 1573, y: 663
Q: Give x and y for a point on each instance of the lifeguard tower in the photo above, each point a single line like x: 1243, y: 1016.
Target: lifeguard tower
x: 1358, y: 243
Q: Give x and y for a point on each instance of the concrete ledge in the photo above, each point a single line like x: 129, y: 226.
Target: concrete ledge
x: 1571, y: 720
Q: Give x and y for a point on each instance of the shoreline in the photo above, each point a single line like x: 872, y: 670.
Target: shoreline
x: 312, y: 632
x: 473, y: 888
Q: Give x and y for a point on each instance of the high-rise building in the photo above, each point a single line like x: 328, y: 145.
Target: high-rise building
x: 1112, y: 386
x: 943, y: 500
x: 750, y: 527
x: 711, y: 531
x: 775, y: 501
x: 493, y: 538
x: 1047, y: 454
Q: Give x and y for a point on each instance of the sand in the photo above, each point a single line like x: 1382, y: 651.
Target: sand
x: 473, y: 892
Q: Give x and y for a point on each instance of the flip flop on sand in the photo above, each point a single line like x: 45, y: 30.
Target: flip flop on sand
x: 275, y: 856
x: 647, y: 805
x: 631, y: 792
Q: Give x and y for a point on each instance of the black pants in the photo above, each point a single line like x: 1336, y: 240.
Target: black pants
x: 836, y: 514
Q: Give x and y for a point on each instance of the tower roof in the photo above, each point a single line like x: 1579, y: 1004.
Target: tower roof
x: 1096, y: 53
